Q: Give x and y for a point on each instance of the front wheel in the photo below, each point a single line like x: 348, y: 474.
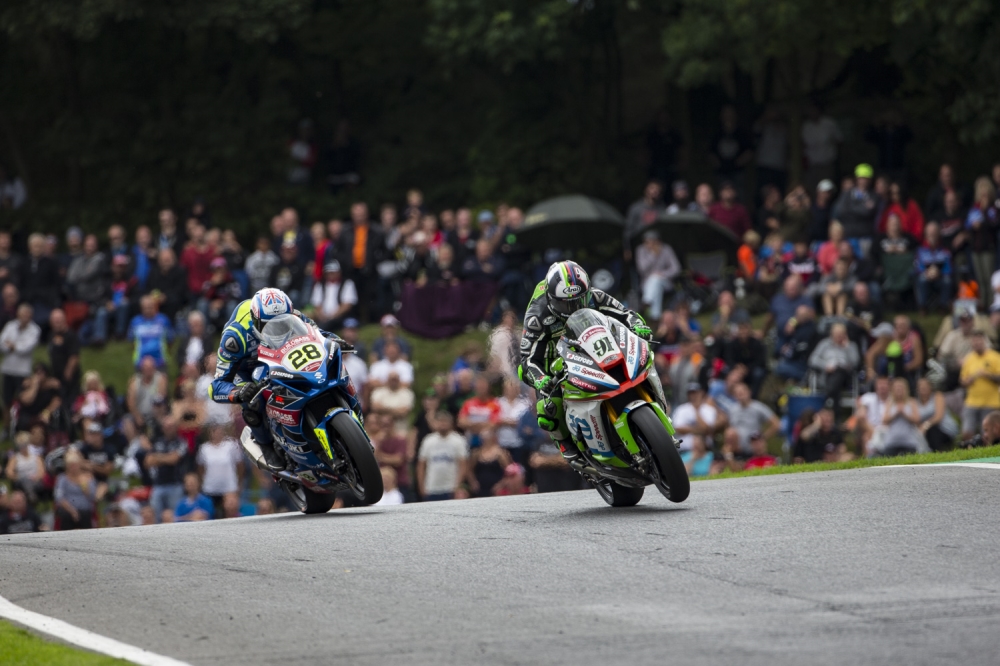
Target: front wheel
x: 669, y: 472
x: 618, y: 495
x: 363, y: 475
x: 306, y: 500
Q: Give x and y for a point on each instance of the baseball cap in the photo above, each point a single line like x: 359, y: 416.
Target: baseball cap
x: 94, y: 426
x: 389, y: 320
x: 218, y: 262
x: 74, y: 232
x: 332, y: 267
x: 351, y: 322
x: 883, y: 330
x: 864, y: 170
x: 693, y: 386
x: 826, y: 185
x: 485, y: 216
x: 652, y: 234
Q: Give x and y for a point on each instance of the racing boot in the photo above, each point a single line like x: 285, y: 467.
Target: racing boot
x: 271, y: 459
x: 262, y: 437
x: 568, y: 449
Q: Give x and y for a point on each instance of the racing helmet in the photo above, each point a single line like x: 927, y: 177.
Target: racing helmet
x: 567, y: 286
x: 267, y: 304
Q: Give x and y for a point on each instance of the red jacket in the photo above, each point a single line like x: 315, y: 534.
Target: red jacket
x: 735, y: 218
x: 911, y: 217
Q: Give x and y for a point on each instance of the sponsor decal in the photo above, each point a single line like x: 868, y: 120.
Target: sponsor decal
x: 307, y: 476
x: 318, y: 376
x: 576, y: 358
x: 532, y: 323
x: 643, y: 356
x: 598, y: 296
x: 265, y: 352
x: 598, y: 430
x: 294, y: 342
x: 581, y: 384
x: 232, y: 345
x: 570, y: 289
x: 525, y: 343
x: 621, y: 336
x: 596, y: 374
x: 283, y: 416
x: 548, y: 321
x: 280, y: 374
x: 591, y: 332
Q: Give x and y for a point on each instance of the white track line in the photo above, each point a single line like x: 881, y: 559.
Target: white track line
x: 971, y: 464
x: 83, y: 638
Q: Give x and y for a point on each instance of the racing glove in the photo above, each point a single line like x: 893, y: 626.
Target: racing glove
x: 643, y: 331
x: 244, y: 392
x: 543, y: 384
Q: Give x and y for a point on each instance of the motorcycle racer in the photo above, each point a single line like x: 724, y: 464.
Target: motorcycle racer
x: 565, y: 289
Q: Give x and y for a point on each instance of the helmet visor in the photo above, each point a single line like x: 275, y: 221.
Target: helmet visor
x: 566, y: 307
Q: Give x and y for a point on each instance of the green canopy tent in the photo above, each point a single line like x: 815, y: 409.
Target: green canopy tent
x: 573, y: 222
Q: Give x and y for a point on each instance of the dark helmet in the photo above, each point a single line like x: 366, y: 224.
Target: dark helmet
x: 567, y: 286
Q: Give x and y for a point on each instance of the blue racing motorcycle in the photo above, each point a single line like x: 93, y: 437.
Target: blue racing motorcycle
x: 314, y: 413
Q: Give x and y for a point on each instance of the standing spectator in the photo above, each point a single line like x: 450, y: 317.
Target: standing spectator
x: 98, y: 454
x: 463, y: 238
x: 749, y: 416
x: 18, y: 340
x: 25, y: 468
x: 643, y: 213
x: 697, y: 418
x: 980, y: 376
x: 821, y: 139
x: 197, y: 258
x: 260, y: 263
x: 76, y: 495
x: 392, y: 363
x: 838, y: 357
x: 729, y: 212
x: 93, y: 403
x: 124, y: 287
x: 746, y: 350
x: 935, y: 206
x: 334, y: 298
x: 484, y: 266
x: 836, y: 288
x: 220, y: 465
x: 936, y: 422
x: 366, y: 246
x: 193, y: 506
x: 393, y: 451
x: 657, y: 266
x: 486, y: 466
x: 220, y: 294
x: 87, y: 280
x: 796, y: 344
x: 513, y: 407
x: 981, y: 228
x: 395, y: 401
x: 143, y: 256
x: 290, y: 274
x: 934, y: 271
x: 19, y: 517
x: 820, y: 210
x: 165, y: 462
x: 663, y: 144
x: 171, y: 237
x: 145, y: 388
x: 704, y: 198
x: 11, y: 263
x: 41, y: 282
x: 442, y: 460
x: 10, y: 298
x: 794, y: 216
x: 196, y: 343
x: 167, y: 284
x: 731, y: 149
x: 906, y: 209
x: 871, y: 409
x: 772, y: 148
x: 682, y: 202
x: 150, y: 333
x: 952, y: 221
x: 858, y: 208
x: 480, y: 412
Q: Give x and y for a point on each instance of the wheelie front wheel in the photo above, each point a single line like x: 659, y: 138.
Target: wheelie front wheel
x: 363, y: 476
x: 669, y: 474
x: 306, y: 500
x: 616, y: 494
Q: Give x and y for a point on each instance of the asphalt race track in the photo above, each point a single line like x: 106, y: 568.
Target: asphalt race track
x: 871, y: 566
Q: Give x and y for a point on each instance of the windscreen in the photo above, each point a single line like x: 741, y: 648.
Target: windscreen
x: 281, y: 329
x: 581, y: 320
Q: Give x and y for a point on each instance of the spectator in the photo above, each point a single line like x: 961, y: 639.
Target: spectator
x: 728, y: 316
x: 193, y: 506
x: 76, y: 495
x: 195, y: 344
x: 40, y: 401
x: 442, y: 460
x: 821, y: 139
x: 19, y: 517
x: 643, y: 213
x: 167, y: 284
x: 858, y: 208
x: 685, y: 368
x: 25, y: 469
x: 746, y: 258
x: 909, y: 349
x: 731, y: 457
x: 952, y: 221
x: 956, y: 346
x: 746, y: 350
x: 991, y: 429
x: 797, y: 345
x: 772, y: 148
x: 11, y: 298
x: 729, y: 212
x: 906, y: 209
x: 393, y: 362
x: 188, y: 412
x: 124, y: 287
x: 937, y: 424
x: 819, y: 439
x: 166, y: 461
x: 366, y: 246
x: 794, y: 215
x: 170, y: 236
x: 197, y: 257
x: 759, y: 457
x: 820, y: 210
x: 260, y: 263
x: 333, y: 299
x: 936, y: 205
x: 682, y: 202
x: 704, y: 198
x: 698, y: 417
x: 804, y: 264
x: 829, y: 251
x: 392, y: 451
x: 303, y: 153
x: 657, y: 266
x: 391, y: 495
x: 150, y: 332
x: 784, y: 306
x: 93, y: 403
x: 98, y: 454
x: 901, y: 420
x: 13, y: 193
x: 11, y: 264
x: 146, y: 386
x: 395, y: 400
x: 485, y: 266
x: 289, y: 275
x: 480, y: 412
x: 697, y: 458
x: 862, y: 313
x: 220, y: 294
x: 487, y: 465
x: 838, y: 357
x: 220, y: 465
x: 835, y: 289
x: 389, y: 333
x: 731, y: 149
x: 18, y: 340
x: 143, y: 256
x: 87, y: 280
x: 980, y: 376
x: 749, y: 416
x: 513, y: 406
x: 895, y: 241
x: 42, y: 286
x: 871, y: 410
x: 981, y: 227
x: 934, y: 270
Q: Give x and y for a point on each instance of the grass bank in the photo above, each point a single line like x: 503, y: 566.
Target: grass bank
x: 22, y: 648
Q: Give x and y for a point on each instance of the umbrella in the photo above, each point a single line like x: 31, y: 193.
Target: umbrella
x: 573, y: 222
x: 690, y: 233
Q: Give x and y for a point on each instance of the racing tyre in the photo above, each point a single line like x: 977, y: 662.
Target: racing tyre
x: 306, y: 500
x: 364, y: 477
x: 669, y: 472
x: 618, y: 495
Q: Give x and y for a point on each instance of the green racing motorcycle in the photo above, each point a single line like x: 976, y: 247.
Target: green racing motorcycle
x: 615, y: 411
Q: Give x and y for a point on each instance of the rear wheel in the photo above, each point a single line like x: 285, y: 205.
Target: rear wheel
x: 618, y: 495
x: 306, y: 500
x: 363, y: 475
x: 669, y: 473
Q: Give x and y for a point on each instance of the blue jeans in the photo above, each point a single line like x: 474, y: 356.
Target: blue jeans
x: 438, y: 497
x: 926, y: 289
x: 166, y: 497
x: 94, y: 330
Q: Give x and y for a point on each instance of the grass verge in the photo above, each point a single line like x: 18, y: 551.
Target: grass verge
x: 957, y: 455
x: 23, y: 648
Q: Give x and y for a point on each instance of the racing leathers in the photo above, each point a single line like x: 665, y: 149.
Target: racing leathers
x: 542, y: 330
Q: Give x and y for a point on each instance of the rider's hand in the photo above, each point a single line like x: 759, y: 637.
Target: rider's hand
x: 244, y: 392
x: 543, y: 384
x: 643, y: 331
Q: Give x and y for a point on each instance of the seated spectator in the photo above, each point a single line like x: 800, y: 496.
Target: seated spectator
x: 749, y: 416
x: 863, y: 313
x: 441, y: 463
x: 785, y: 305
x: 165, y: 461
x: 98, y: 454
x: 150, y: 332
x: 937, y: 424
x: 167, y: 284
x: 895, y: 240
x: 392, y: 451
x: 484, y: 266
x: 934, y: 271
x: 479, y: 412
x: 40, y: 400
x: 193, y: 506
x: 76, y: 495
x: 979, y: 238
x: 697, y: 458
x: 803, y: 263
x: 835, y: 289
x: 685, y: 368
x: 64, y: 354
x: 25, y: 469
x: 389, y: 326
x: 93, y: 402
x: 796, y: 345
x: 829, y: 251
x: 657, y: 266
x: 392, y: 363
x: 334, y: 298
x: 822, y: 440
x: 289, y: 275
x: 991, y: 429
x: 729, y: 212
x: 870, y: 412
x: 839, y: 359
x: 42, y: 286
x: 395, y: 401
x: 197, y: 256
x: 144, y: 388
x: 771, y: 264
x: 759, y: 457
x: 487, y: 465
x: 9, y: 301
x: 219, y: 294
x: 731, y: 457
x: 221, y: 468
x: 87, y: 281
x: 956, y: 346
x: 900, y: 421
x: 682, y: 202
x: 19, y: 517
x: 18, y: 341
x: 746, y: 257
x: 905, y: 358
x: 444, y: 269
x: 980, y: 376
x: 196, y: 343
x: 698, y: 417
x: 726, y: 320
x: 861, y: 268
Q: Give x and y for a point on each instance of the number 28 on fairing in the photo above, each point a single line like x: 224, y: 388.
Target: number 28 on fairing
x: 300, y: 356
